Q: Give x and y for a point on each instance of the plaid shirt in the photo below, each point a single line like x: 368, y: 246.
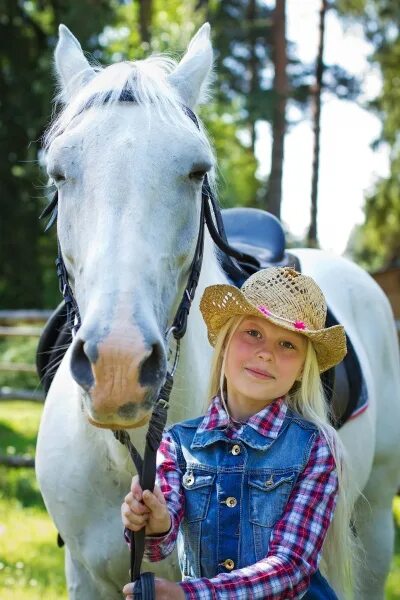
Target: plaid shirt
x: 296, y: 539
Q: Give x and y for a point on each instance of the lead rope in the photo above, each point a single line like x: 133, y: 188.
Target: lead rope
x: 144, y: 588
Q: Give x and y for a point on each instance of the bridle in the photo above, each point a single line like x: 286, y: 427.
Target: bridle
x: 146, y: 467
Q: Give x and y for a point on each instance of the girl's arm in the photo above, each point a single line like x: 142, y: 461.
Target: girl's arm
x: 168, y: 479
x: 295, y: 544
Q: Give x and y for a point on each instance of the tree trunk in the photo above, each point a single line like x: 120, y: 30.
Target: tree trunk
x: 274, y: 193
x: 145, y: 14
x: 252, y: 71
x: 316, y: 119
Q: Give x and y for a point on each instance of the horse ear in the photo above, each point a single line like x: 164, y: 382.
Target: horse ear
x: 191, y: 76
x: 72, y: 67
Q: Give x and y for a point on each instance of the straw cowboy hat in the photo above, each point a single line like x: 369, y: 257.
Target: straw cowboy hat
x: 284, y: 297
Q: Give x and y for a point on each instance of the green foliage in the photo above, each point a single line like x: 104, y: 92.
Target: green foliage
x: 242, y: 32
x: 27, y: 39
x: 172, y: 27
x: 376, y: 243
x: 18, y: 350
x: 236, y: 174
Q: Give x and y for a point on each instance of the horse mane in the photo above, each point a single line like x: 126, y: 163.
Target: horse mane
x: 143, y: 81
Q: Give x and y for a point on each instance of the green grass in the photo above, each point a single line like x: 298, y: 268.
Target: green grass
x: 393, y: 583
x: 31, y: 564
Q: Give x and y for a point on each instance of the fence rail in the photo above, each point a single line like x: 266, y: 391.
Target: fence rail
x: 8, y: 328
x: 20, y: 331
x: 7, y: 393
x: 28, y: 316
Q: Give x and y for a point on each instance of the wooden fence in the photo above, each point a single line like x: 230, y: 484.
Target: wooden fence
x: 30, y: 328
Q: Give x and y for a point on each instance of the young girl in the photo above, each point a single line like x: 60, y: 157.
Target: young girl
x: 249, y: 489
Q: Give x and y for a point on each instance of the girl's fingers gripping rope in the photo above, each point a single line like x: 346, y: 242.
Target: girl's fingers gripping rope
x: 133, y: 512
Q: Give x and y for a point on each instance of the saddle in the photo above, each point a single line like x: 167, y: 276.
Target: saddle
x: 260, y: 237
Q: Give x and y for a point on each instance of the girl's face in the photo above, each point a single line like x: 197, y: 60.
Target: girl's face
x: 262, y: 363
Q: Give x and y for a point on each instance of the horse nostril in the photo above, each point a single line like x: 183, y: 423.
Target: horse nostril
x: 152, y: 369
x: 81, y: 368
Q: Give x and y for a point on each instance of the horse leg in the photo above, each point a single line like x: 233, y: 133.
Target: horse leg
x: 79, y: 581
x: 82, y: 586
x: 375, y: 530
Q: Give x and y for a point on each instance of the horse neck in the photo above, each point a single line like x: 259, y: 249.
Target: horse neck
x: 189, y: 395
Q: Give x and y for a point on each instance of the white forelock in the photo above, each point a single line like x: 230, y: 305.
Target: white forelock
x: 147, y: 81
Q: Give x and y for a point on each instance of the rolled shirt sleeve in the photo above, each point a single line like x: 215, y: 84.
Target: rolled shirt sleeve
x: 169, y: 479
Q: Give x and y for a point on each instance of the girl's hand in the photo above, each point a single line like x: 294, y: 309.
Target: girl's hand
x: 165, y: 590
x: 145, y: 509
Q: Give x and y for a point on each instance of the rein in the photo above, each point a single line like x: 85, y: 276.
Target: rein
x: 144, y: 583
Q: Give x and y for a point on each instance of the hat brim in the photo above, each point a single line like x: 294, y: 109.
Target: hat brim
x: 222, y: 301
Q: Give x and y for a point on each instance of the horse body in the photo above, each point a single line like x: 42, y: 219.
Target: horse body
x: 129, y: 177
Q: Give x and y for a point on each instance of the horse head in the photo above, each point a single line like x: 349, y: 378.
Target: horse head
x: 128, y: 164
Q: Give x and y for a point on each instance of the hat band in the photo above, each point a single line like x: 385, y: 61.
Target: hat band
x: 265, y: 311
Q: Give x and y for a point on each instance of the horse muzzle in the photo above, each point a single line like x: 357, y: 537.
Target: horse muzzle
x: 120, y: 377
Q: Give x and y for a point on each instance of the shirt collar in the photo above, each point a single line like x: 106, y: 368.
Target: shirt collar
x: 267, y: 422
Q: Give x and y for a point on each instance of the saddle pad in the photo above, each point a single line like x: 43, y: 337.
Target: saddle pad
x: 345, y: 385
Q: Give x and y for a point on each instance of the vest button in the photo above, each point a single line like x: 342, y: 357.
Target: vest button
x: 188, y: 479
x: 236, y: 449
x: 229, y: 564
x: 231, y: 502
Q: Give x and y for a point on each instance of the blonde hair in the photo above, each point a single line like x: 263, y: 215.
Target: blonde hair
x: 307, y: 398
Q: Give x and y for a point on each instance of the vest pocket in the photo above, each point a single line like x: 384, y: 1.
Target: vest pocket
x: 268, y: 495
x: 197, y: 486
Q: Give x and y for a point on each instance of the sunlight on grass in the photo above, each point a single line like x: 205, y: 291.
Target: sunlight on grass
x: 19, y: 424
x: 31, y: 564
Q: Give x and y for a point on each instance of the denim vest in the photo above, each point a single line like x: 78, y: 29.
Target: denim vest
x: 235, y: 491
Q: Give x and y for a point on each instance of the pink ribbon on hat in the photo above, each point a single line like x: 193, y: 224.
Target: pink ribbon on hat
x: 297, y: 324
x: 264, y: 310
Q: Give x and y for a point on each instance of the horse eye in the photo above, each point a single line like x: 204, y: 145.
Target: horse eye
x: 197, y: 175
x: 57, y: 176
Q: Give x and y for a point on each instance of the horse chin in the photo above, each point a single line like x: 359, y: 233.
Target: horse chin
x: 114, y: 426
x: 114, y: 421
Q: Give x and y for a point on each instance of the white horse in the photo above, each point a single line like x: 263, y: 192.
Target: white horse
x: 129, y: 177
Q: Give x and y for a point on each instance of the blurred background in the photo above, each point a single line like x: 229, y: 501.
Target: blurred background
x: 304, y: 115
